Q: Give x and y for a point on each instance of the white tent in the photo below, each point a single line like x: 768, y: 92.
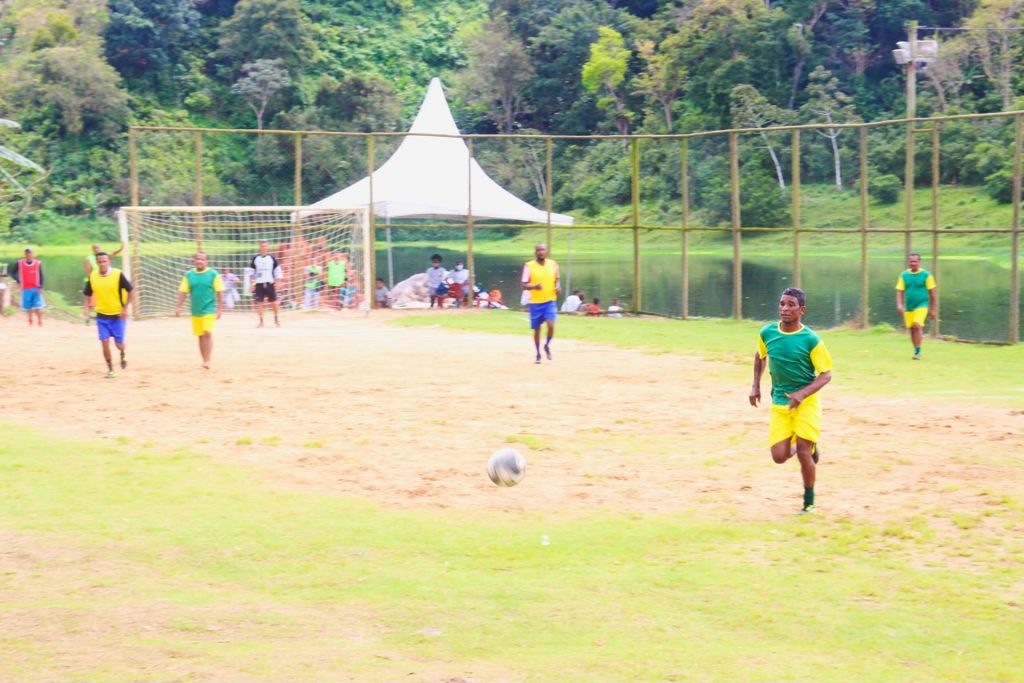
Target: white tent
x: 426, y: 177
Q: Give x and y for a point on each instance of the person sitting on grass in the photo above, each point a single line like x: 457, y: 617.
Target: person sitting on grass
x: 593, y: 309
x: 573, y: 302
x: 382, y: 295
x: 615, y: 310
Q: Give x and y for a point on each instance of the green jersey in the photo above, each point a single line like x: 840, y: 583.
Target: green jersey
x: 794, y: 359
x: 915, y: 287
x: 202, y: 289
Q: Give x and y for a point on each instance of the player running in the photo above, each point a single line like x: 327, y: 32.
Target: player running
x: 542, y: 281
x: 266, y: 273
x: 90, y: 265
x: 204, y: 286
x: 916, y: 300
x: 800, y: 366
x: 110, y: 291
x: 29, y: 274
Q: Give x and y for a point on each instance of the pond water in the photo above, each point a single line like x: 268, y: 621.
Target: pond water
x: 975, y: 294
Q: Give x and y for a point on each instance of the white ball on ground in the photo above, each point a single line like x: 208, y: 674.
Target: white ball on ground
x: 506, y: 467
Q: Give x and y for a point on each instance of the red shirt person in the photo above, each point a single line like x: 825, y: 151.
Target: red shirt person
x: 29, y: 274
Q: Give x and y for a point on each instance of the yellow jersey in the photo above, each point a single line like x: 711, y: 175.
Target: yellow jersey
x: 546, y: 276
x: 111, y: 291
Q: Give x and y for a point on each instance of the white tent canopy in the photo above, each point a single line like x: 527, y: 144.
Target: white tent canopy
x: 426, y: 177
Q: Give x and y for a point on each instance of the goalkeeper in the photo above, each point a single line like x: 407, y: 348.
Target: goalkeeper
x: 266, y: 273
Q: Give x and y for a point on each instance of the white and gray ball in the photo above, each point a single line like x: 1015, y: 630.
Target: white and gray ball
x: 506, y: 467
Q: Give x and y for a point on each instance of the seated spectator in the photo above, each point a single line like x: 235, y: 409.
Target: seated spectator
x: 382, y: 295
x: 615, y: 310
x: 593, y: 309
x: 573, y: 302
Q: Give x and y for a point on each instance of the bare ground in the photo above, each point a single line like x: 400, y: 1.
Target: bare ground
x: 406, y: 417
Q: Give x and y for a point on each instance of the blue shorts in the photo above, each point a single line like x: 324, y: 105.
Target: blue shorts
x: 541, y: 312
x: 111, y: 327
x: 31, y: 299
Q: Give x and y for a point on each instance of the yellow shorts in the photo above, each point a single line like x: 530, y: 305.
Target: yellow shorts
x: 918, y: 316
x: 201, y: 324
x: 804, y: 421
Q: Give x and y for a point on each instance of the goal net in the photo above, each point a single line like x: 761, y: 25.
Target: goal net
x: 322, y: 254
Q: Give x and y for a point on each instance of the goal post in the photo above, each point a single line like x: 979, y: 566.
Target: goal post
x: 323, y: 254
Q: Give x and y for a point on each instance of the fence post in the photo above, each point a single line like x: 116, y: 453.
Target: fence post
x: 198, y: 189
x: 1018, y: 141
x: 634, y: 145
x: 684, y: 180
x: 547, y: 187
x: 133, y: 166
x: 864, y: 304
x: 737, y: 262
x: 795, y: 196
x: 371, y: 258
x: 935, y: 221
x: 298, y: 170
x: 908, y: 191
x: 469, y: 222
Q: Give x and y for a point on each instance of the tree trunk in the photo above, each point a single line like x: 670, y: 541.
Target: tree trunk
x: 797, y: 72
x: 940, y: 91
x: 775, y: 160
x: 666, y: 104
x: 833, y: 135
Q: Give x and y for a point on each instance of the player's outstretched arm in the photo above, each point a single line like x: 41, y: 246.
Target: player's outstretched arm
x: 797, y: 397
x: 755, y: 391
x: 117, y: 251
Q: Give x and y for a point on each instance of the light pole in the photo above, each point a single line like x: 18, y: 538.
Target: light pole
x: 913, y: 53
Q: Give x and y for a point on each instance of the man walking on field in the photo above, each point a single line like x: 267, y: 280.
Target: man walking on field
x: 542, y: 281
x: 915, y: 300
x: 29, y: 274
x: 111, y: 292
x: 90, y: 264
x: 204, y: 286
x: 266, y: 273
x: 800, y: 366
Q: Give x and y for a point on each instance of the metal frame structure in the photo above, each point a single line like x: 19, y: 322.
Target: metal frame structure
x: 913, y: 125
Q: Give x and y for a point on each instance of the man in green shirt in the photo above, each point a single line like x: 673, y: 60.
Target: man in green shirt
x: 800, y: 366
x: 204, y: 287
x: 915, y: 299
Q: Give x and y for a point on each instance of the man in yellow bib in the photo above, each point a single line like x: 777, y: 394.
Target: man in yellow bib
x: 110, y: 291
x: 541, y: 280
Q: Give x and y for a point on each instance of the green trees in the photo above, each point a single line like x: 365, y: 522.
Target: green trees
x: 605, y: 72
x: 498, y: 73
x: 260, y: 81
x: 266, y: 29
x: 826, y: 103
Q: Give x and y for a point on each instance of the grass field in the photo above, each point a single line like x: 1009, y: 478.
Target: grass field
x: 144, y: 539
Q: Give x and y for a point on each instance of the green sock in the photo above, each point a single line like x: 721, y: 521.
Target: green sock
x: 917, y: 349
x: 808, y: 497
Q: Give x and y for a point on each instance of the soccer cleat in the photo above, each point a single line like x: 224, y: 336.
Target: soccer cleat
x: 537, y: 359
x: 806, y: 510
x: 917, y: 355
x: 547, y: 351
x: 110, y: 374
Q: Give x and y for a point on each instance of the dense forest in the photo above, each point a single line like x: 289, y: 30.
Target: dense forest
x: 76, y: 73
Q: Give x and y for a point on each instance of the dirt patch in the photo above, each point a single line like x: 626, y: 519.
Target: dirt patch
x: 406, y: 417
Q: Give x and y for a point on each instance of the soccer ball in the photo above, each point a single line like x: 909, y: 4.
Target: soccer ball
x: 506, y: 467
